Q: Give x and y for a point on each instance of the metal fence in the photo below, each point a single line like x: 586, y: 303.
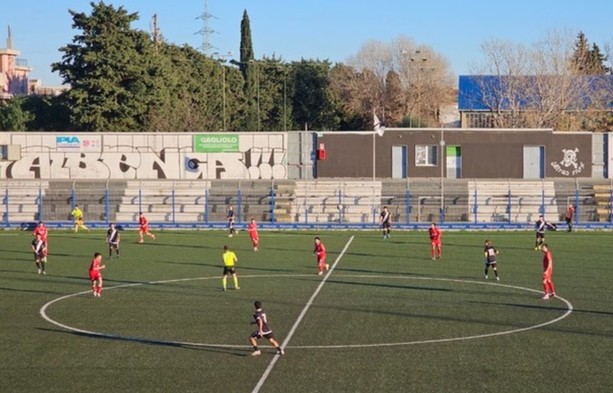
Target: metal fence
x: 338, y: 202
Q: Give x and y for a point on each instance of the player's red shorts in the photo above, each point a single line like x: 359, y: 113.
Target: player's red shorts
x: 254, y: 238
x: 546, y: 276
x: 436, y: 243
x: 94, y: 275
x: 321, y: 260
x: 143, y: 228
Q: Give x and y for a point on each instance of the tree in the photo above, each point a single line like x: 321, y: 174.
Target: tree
x: 538, y: 86
x: 313, y: 103
x: 250, y: 70
x: 586, y: 60
x: 108, y: 68
x: 12, y: 116
x: 397, y: 80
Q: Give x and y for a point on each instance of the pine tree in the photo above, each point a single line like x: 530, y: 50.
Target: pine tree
x: 249, y: 69
x: 107, y: 67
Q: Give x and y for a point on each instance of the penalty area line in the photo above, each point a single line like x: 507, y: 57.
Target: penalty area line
x: 300, y: 317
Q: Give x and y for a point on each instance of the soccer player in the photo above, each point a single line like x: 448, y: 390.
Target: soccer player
x: 385, y: 220
x: 435, y: 241
x: 95, y: 274
x: 41, y: 230
x: 112, y: 238
x: 77, y: 214
x: 320, y: 252
x: 541, y: 226
x: 40, y: 254
x: 570, y: 211
x: 143, y: 228
x: 230, y: 217
x: 548, y: 286
x: 252, y: 228
x: 263, y: 331
x: 490, y: 259
x: 229, y: 268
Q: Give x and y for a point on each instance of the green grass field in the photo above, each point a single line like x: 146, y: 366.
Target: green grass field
x: 386, y: 318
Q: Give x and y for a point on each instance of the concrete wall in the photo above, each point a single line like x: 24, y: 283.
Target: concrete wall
x: 486, y: 153
x: 145, y: 156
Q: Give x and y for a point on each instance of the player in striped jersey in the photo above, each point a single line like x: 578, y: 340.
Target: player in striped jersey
x: 112, y: 238
x: 263, y: 331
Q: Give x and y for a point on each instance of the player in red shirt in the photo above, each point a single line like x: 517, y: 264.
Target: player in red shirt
x: 548, y: 286
x: 570, y: 211
x: 95, y: 276
x: 41, y: 230
x: 320, y: 253
x: 435, y: 241
x: 143, y: 228
x: 252, y: 228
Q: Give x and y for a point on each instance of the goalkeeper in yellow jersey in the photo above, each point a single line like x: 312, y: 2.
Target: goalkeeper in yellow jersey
x: 77, y: 214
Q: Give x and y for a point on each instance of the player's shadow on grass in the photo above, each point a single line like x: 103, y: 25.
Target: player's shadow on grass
x: 539, y: 307
x: 31, y: 291
x: 155, y: 243
x: 333, y: 281
x: 239, y: 268
x: 145, y: 341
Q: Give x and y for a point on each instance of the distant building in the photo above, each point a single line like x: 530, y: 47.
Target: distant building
x: 571, y: 102
x: 13, y: 71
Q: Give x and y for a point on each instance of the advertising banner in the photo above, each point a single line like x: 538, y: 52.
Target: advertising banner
x: 216, y: 143
x: 78, y: 143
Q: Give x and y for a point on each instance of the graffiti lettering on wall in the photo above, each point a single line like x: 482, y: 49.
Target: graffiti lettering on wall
x: 569, y: 165
x: 254, y: 163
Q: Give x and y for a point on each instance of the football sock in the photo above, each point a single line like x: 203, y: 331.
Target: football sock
x: 42, y: 266
x: 224, y: 281
x: 496, y: 272
x: 551, y: 287
x: 255, y: 348
x: 235, y: 279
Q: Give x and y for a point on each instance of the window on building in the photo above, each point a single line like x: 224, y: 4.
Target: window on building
x: 426, y: 155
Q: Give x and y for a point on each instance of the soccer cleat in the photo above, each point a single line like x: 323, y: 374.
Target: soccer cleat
x: 39, y: 271
x: 546, y: 297
x: 320, y: 273
x: 230, y: 235
x: 280, y: 351
x: 497, y: 278
x: 237, y: 288
x: 486, y: 276
x: 141, y: 241
x: 552, y: 294
x: 327, y: 267
x: 44, y: 273
x: 153, y: 237
x: 256, y: 353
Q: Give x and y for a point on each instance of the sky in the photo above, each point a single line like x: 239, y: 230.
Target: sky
x: 315, y: 29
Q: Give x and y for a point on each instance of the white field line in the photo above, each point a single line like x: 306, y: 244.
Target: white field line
x: 300, y: 317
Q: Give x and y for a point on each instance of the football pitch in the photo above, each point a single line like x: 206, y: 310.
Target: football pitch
x: 384, y: 318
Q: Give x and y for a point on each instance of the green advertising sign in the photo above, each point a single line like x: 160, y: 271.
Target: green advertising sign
x: 216, y: 143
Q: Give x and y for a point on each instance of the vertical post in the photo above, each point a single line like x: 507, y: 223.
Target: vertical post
x: 475, y: 206
x: 610, y: 205
x: 107, y: 204
x: 6, y: 207
x: 442, y: 160
x: 374, y: 176
x: 239, y: 210
x: 509, y: 205
x: 542, y: 202
x: 576, y: 217
x: 40, y: 204
x: 340, y: 205
x: 407, y: 206
x: 174, y: 207
x: 272, y: 205
x: 140, y: 198
x: 206, y: 206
